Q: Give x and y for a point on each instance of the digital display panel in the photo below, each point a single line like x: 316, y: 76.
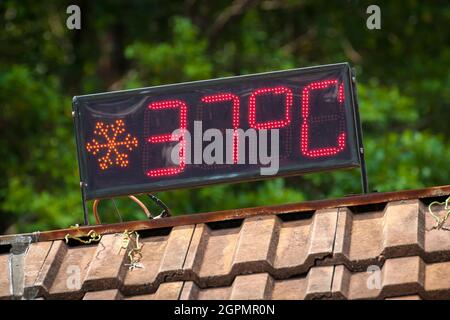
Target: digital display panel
x: 215, y: 131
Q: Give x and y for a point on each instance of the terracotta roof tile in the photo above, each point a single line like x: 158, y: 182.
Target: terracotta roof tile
x: 34, y: 263
x: 402, y: 275
x: 402, y: 229
x: 291, y: 289
x: 414, y: 297
x: 176, y: 251
x: 399, y: 276
x: 144, y: 280
x: 317, y: 283
x: 165, y: 291
x: 256, y: 245
x: 192, y: 292
x: 196, y: 251
x: 106, y: 270
x: 215, y: 264
x: 437, y: 242
x: 5, y: 283
x: 316, y: 254
x: 163, y: 258
x: 72, y: 271
x: 112, y: 294
x: 437, y: 280
x: 43, y: 281
x: 304, y: 241
x: 256, y: 286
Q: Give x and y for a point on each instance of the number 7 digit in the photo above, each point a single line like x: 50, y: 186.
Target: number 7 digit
x: 235, y: 100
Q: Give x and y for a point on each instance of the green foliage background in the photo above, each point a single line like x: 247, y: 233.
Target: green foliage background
x: 403, y: 82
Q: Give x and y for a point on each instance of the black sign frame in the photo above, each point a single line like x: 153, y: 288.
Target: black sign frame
x: 78, y: 102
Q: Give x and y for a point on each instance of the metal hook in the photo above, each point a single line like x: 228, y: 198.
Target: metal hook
x: 165, y: 209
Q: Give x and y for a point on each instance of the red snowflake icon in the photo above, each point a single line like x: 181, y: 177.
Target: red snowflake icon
x: 111, y: 134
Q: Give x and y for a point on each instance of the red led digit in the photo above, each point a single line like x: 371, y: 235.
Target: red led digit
x: 221, y: 97
x: 304, y: 139
x: 270, y: 124
x: 171, y: 104
x: 341, y: 93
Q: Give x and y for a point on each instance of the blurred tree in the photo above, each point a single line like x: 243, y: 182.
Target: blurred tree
x: 402, y: 74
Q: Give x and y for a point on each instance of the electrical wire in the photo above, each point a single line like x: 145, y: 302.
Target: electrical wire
x: 142, y: 205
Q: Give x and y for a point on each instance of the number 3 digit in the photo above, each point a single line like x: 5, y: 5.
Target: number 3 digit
x: 171, y: 104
